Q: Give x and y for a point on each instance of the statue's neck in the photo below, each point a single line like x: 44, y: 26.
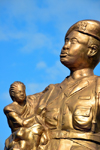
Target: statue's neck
x: 81, y: 73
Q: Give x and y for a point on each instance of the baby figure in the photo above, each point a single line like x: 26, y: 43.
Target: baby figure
x: 22, y: 117
x: 20, y: 113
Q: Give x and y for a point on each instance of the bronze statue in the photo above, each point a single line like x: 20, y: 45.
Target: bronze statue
x: 67, y: 115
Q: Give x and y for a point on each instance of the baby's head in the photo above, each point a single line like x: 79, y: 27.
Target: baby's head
x: 17, y: 92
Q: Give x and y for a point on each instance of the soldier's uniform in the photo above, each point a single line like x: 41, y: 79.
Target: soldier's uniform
x: 72, y: 114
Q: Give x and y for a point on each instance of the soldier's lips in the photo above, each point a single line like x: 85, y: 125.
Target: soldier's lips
x: 63, y: 55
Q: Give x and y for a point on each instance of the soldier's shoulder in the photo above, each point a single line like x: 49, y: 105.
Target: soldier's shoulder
x: 93, y: 77
x: 36, y: 96
x: 98, y: 83
x: 50, y: 86
x: 98, y: 77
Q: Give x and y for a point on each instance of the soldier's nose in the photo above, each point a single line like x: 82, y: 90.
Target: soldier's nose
x: 66, y: 46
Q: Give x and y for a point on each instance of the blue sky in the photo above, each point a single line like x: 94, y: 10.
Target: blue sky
x: 31, y: 37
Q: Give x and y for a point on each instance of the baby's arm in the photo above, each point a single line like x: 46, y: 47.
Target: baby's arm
x: 21, y: 122
x: 15, y: 118
x: 27, y: 122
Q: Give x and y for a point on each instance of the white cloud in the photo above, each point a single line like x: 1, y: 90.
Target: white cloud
x: 5, y: 96
x: 3, y: 36
x: 57, y: 71
x: 1, y: 145
x: 54, y: 72
x: 22, y: 20
x: 35, y: 41
x: 57, y: 11
x: 33, y: 88
x: 56, y: 51
x: 41, y: 65
x: 8, y: 34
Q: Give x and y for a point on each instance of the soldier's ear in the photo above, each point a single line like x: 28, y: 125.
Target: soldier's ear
x: 92, y: 50
x: 12, y: 93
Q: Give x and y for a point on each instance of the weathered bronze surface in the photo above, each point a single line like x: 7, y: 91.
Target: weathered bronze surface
x: 64, y: 116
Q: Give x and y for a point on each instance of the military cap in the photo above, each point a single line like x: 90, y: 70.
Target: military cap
x: 89, y: 27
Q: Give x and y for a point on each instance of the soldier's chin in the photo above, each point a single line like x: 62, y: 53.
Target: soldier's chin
x: 64, y: 62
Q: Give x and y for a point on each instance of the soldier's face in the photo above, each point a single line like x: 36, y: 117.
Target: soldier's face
x: 19, y: 93
x: 74, y: 52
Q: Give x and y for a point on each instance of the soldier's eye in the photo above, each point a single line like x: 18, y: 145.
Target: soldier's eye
x: 74, y: 40
x: 66, y: 40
